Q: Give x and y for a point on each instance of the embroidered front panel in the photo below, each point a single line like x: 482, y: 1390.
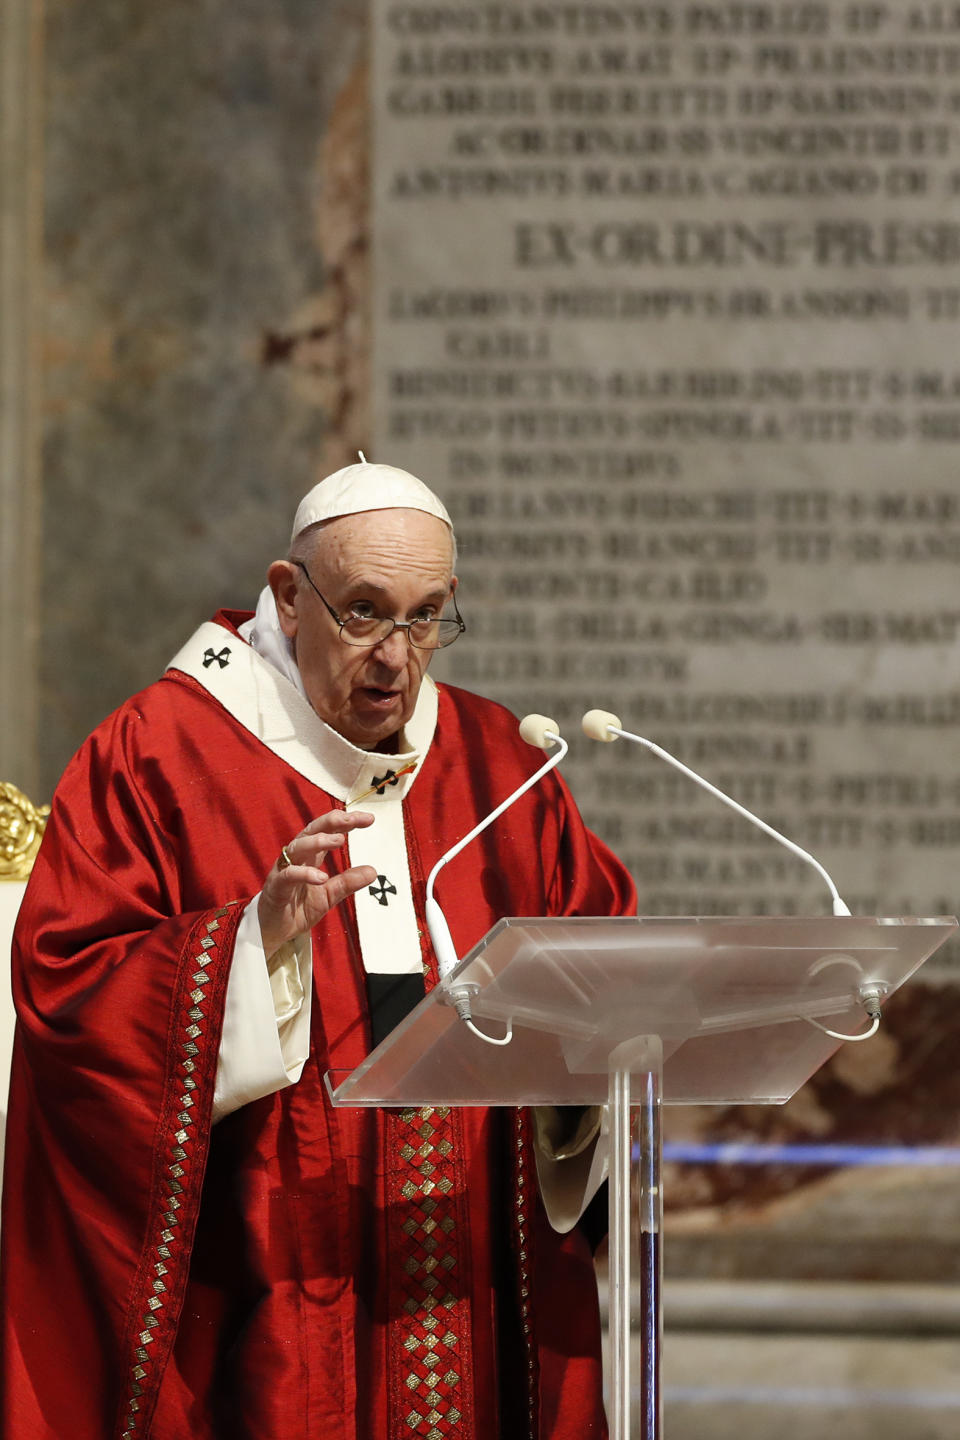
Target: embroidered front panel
x: 431, y: 1371
x: 390, y: 941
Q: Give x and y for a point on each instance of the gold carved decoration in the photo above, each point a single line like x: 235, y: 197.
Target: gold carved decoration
x: 21, y: 829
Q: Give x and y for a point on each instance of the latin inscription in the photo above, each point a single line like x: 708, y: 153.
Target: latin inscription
x: 666, y: 302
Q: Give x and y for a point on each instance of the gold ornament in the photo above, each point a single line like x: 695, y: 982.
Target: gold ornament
x: 21, y: 829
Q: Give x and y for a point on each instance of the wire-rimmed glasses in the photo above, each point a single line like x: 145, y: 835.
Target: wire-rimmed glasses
x: 426, y: 633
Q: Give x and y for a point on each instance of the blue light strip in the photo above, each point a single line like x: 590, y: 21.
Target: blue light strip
x: 749, y: 1153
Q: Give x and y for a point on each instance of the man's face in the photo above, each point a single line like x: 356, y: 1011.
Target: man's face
x: 395, y: 563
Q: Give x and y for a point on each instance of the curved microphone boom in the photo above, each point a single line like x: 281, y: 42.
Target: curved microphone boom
x: 537, y: 730
x: 602, y: 725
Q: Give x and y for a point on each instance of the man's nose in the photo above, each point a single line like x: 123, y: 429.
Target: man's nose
x: 392, y: 649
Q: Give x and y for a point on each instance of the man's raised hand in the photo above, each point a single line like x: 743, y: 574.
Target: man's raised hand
x: 298, y: 892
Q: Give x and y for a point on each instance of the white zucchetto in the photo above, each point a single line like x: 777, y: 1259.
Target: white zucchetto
x: 361, y: 487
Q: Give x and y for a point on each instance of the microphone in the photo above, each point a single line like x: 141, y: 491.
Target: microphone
x: 602, y: 725
x: 542, y: 733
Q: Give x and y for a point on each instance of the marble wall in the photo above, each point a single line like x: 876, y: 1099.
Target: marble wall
x: 197, y: 287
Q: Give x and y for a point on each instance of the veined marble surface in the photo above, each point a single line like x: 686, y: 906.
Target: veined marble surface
x: 194, y: 241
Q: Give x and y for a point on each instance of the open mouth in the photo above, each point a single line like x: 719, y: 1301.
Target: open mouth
x: 383, y: 699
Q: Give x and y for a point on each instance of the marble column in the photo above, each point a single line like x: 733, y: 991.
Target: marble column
x: 20, y: 261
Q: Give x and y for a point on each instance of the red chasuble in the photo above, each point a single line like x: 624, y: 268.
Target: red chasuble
x: 295, y: 1272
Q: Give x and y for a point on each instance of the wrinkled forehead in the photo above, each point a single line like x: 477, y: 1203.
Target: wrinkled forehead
x: 381, y: 545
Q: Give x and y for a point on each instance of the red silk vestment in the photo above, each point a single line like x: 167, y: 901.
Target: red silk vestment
x: 296, y: 1272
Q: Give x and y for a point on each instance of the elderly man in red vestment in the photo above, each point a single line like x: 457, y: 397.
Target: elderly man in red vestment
x: 196, y: 1244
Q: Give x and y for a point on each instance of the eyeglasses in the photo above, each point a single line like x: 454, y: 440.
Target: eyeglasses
x: 370, y: 630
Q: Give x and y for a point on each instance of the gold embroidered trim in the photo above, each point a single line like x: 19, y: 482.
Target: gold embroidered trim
x: 432, y: 1311
x: 180, y: 1157
x: 523, y: 1223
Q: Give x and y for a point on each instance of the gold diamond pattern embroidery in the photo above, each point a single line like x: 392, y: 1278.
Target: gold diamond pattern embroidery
x: 180, y: 1156
x: 430, y: 1328
x: 523, y: 1226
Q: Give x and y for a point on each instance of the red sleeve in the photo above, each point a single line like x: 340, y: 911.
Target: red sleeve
x: 588, y: 879
x: 538, y: 858
x: 120, y: 1002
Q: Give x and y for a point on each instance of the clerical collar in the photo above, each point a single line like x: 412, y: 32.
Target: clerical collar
x: 273, y: 707
x: 263, y: 632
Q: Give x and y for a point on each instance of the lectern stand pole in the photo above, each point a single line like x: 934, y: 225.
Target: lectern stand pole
x: 636, y: 1234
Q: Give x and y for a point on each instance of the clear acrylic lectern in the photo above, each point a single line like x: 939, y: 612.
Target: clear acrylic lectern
x: 635, y: 1013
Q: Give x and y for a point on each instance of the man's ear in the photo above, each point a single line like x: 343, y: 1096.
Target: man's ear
x: 282, y: 578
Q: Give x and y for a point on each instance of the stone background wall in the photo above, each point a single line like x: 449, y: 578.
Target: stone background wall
x: 204, y: 333
x: 665, y: 294
x: 683, y: 346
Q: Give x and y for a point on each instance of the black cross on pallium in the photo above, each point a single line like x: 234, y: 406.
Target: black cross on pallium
x: 222, y: 659
x: 380, y: 895
x: 380, y: 783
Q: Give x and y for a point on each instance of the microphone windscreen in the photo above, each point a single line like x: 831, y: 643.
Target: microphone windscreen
x: 596, y: 725
x: 533, y: 729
